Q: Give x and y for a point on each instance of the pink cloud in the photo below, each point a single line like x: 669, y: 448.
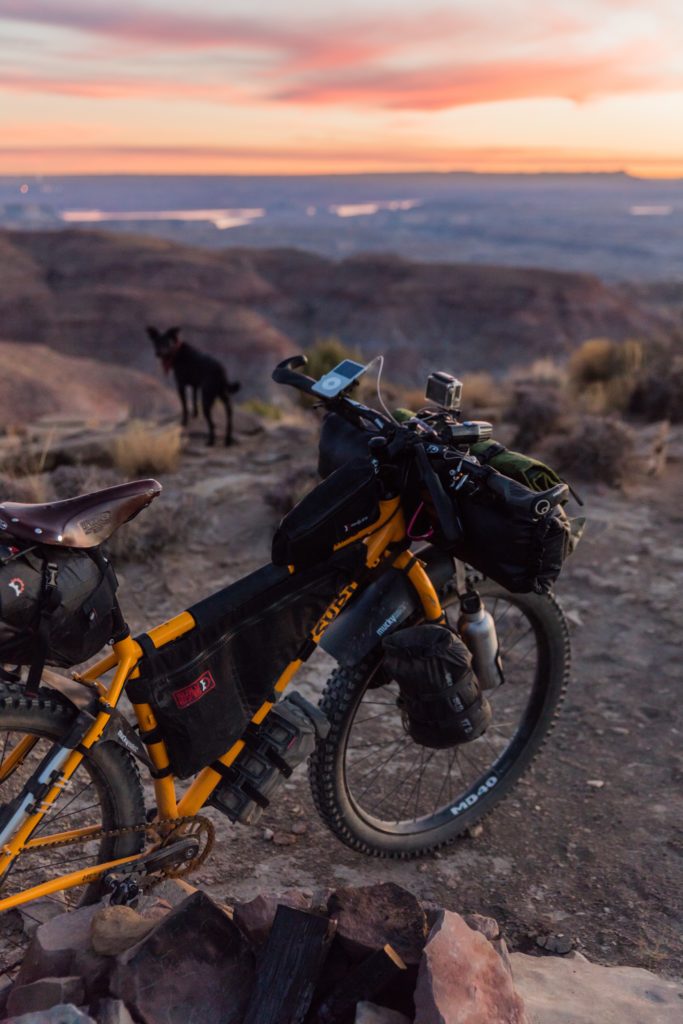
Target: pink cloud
x: 465, y: 83
x: 353, y: 60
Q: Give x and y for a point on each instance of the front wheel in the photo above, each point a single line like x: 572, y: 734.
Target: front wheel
x: 384, y: 795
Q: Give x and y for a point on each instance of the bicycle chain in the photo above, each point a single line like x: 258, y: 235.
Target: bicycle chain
x: 179, y: 871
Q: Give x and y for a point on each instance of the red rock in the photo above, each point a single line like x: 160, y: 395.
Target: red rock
x: 194, y: 965
x: 255, y: 917
x: 488, y: 926
x: 371, y: 916
x: 462, y: 979
x: 54, y: 944
x: 43, y: 994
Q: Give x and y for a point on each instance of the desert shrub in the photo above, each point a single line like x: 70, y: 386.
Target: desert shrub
x: 154, y: 530
x: 481, y: 392
x: 603, y: 374
x: 597, y: 448
x: 264, y: 410
x: 601, y: 360
x: 146, y: 448
x: 659, y: 395
x: 291, y: 489
x: 68, y: 481
x: 16, y: 487
x: 536, y: 410
x: 546, y: 371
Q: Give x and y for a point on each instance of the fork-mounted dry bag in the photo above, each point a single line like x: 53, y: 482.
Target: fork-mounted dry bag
x: 440, y: 695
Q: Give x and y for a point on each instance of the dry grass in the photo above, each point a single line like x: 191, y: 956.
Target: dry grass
x: 481, y: 393
x: 145, y: 448
x: 261, y: 408
x: 32, y: 488
x: 603, y: 374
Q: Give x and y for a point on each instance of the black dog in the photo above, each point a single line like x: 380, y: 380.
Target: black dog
x: 194, y: 369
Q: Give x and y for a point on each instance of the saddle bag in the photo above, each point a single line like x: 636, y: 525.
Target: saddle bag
x: 57, y: 605
x: 339, y: 507
x: 439, y: 693
x: 205, y: 686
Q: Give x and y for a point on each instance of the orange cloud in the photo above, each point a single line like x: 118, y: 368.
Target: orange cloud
x: 123, y: 87
x: 378, y: 155
x: 462, y: 83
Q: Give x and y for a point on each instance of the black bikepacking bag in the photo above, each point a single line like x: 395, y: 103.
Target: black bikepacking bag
x: 517, y: 536
x: 57, y: 605
x: 510, y: 533
x: 340, y: 442
x: 205, y: 686
x: 339, y: 507
x: 440, y: 695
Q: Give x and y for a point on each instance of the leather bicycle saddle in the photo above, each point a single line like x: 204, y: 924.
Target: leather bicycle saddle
x: 82, y: 522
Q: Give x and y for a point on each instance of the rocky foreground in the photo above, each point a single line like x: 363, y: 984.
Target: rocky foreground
x: 367, y: 955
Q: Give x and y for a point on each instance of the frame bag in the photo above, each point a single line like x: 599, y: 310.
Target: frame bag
x: 205, y: 686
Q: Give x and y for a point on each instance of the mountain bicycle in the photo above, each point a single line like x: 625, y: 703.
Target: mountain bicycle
x: 73, y: 818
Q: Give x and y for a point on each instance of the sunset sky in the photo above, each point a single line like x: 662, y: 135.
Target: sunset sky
x: 239, y: 86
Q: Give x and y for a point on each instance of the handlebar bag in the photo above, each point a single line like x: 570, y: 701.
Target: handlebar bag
x: 507, y: 534
x: 60, y: 601
x: 205, y: 686
x: 337, y: 509
x: 440, y: 695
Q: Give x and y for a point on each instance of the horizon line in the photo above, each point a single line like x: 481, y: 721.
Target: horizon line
x: 27, y: 176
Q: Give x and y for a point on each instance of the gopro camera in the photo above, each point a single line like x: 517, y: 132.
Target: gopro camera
x: 444, y: 390
x: 342, y: 377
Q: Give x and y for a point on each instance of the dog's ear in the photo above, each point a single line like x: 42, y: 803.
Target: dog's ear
x: 153, y: 333
x: 174, y: 332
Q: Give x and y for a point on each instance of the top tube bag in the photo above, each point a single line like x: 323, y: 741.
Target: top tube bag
x: 339, y: 507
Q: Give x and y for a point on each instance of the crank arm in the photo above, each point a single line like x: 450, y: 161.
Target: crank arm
x: 123, y: 885
x: 158, y: 860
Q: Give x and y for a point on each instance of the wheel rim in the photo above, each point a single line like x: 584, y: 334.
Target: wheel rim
x: 82, y: 804
x: 400, y: 788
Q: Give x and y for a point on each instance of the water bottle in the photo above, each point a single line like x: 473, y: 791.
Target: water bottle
x: 478, y: 630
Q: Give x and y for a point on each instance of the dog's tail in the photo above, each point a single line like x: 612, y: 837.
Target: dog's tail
x: 233, y: 388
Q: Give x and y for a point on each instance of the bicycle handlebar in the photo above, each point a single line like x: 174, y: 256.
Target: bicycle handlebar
x: 284, y: 374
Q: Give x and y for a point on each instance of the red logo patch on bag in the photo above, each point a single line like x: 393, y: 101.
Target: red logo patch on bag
x: 195, y: 691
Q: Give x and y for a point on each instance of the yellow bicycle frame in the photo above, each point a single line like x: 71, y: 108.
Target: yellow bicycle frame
x: 387, y: 532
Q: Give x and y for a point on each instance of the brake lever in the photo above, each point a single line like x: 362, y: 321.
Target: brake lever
x: 449, y: 521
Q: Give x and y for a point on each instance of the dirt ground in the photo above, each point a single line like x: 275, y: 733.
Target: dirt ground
x: 589, y: 844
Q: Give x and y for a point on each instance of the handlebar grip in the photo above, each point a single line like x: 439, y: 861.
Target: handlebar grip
x: 443, y: 506
x: 284, y: 374
x: 534, y: 503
